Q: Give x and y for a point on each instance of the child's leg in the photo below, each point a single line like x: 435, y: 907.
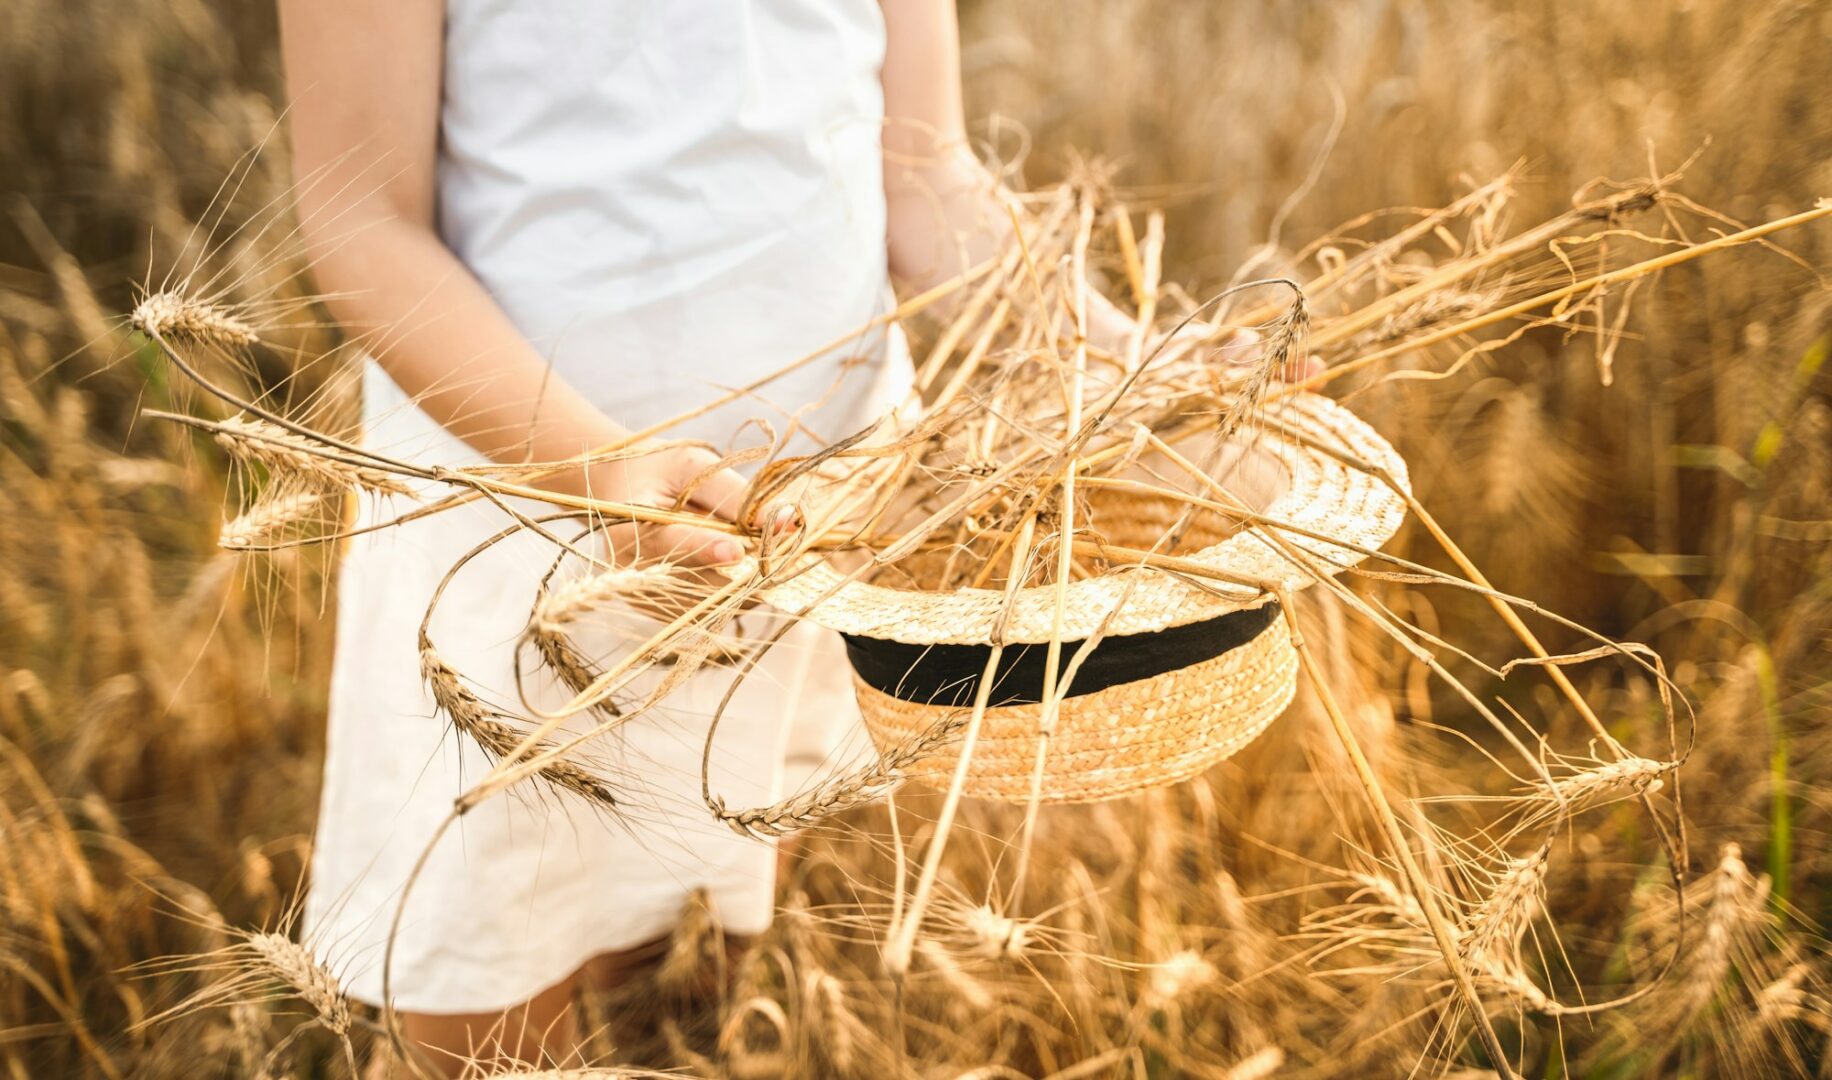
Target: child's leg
x: 538, y: 1032
x: 606, y: 971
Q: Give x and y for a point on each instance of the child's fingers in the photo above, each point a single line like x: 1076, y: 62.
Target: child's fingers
x: 689, y: 546
x: 1242, y: 346
x: 1299, y: 368
x: 1238, y: 346
x: 719, y: 492
x: 1233, y: 345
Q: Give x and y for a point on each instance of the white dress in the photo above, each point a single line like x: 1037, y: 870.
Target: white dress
x: 668, y: 199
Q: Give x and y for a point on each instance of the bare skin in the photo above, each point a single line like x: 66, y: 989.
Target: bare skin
x: 542, y: 1030
x: 365, y: 83
x: 364, y: 80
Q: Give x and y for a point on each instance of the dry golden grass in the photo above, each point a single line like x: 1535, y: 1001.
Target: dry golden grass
x: 160, y: 698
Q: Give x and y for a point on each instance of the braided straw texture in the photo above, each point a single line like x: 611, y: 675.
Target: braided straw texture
x: 1112, y: 742
x: 1322, y: 495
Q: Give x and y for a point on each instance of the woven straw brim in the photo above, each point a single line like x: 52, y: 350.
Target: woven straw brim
x: 1113, y: 742
x: 1322, y: 494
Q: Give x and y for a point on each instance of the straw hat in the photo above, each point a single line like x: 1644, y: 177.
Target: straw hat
x: 1186, y: 671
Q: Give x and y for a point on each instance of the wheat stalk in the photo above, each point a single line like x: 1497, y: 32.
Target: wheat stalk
x: 312, y: 982
x: 571, y: 666
x: 1734, y: 905
x: 1257, y: 1066
x: 1628, y: 776
x: 1786, y: 999
x: 1184, y: 971
x: 1511, y: 982
x: 741, y: 1061
x: 1492, y: 938
x: 839, y: 1025
x: 178, y: 317
x: 993, y: 936
x: 841, y: 793
x: 591, y: 592
x: 285, y: 453
x: 262, y: 521
x: 484, y: 726
x: 1394, y: 900
x: 964, y: 986
x: 694, y: 940
x: 248, y: 1024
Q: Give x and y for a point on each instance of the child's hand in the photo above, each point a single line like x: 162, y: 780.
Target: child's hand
x: 1235, y: 347
x: 674, y: 478
x: 670, y: 478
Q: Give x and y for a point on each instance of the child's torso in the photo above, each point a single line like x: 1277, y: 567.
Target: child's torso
x: 672, y: 197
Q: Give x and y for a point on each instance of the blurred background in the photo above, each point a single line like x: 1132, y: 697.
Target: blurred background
x: 161, y: 701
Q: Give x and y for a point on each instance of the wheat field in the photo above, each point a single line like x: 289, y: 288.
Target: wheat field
x: 1660, y: 472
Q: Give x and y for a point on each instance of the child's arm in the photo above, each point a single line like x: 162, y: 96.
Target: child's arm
x: 365, y: 83
x: 947, y: 214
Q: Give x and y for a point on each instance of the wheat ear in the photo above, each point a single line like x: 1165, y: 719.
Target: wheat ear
x: 840, y: 793
x: 282, y: 451
x: 484, y: 726
x: 295, y: 966
x: 178, y: 317
x: 265, y: 519
x: 1627, y: 776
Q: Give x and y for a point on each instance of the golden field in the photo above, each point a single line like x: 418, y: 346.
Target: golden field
x: 1664, y: 479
